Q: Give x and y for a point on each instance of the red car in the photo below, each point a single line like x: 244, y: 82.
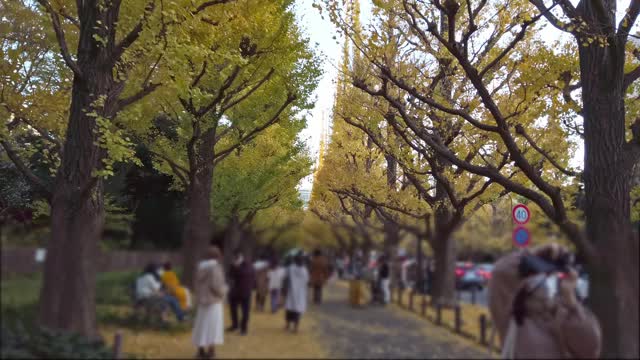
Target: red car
x: 462, y: 267
x: 485, y: 270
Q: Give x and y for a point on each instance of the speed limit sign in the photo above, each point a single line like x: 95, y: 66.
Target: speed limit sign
x: 521, y: 214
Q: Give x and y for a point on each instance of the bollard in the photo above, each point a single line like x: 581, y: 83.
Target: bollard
x: 483, y: 329
x: 458, y: 319
x: 424, y: 305
x: 473, y: 295
x: 117, y: 345
x: 438, y: 314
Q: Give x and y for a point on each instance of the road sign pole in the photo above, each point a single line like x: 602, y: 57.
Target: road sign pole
x: 520, y: 216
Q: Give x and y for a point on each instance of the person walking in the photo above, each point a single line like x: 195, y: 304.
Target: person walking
x: 275, y: 276
x: 242, y: 277
x: 385, y: 279
x: 319, y: 269
x: 210, y: 291
x: 296, y: 304
x: 430, y: 276
x: 261, y: 268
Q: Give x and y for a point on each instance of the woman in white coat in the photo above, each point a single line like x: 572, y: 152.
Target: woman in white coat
x: 298, y: 279
x: 211, y: 289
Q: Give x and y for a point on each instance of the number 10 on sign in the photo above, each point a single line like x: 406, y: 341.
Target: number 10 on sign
x: 521, y: 214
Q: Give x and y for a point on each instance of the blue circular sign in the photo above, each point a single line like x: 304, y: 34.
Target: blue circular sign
x: 521, y: 237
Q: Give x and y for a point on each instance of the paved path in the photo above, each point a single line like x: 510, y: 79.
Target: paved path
x: 481, y: 296
x: 377, y: 332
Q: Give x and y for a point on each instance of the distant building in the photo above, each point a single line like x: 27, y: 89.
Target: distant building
x: 305, y: 196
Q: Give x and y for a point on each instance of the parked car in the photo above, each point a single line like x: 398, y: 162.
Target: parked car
x: 469, y: 276
x: 462, y: 267
x: 485, y: 271
x: 471, y: 279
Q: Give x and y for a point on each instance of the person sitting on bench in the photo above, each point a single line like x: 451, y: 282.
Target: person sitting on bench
x: 172, y: 284
x: 148, y: 287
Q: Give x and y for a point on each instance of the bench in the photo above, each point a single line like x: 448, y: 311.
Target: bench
x: 149, y: 309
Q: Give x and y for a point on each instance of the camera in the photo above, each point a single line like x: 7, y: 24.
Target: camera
x: 532, y: 265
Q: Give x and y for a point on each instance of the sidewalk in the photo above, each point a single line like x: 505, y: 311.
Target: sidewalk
x: 377, y: 332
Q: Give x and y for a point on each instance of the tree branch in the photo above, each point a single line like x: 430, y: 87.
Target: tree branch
x: 253, y: 133
x: 632, y: 155
x: 146, y: 90
x: 177, y: 169
x: 546, y: 12
x: 521, y: 131
x: 221, y: 92
x: 62, y: 42
x: 248, y: 93
x: 208, y: 4
x: 628, y: 20
x: 38, y: 183
x: 630, y: 77
x: 133, y: 35
x: 197, y: 79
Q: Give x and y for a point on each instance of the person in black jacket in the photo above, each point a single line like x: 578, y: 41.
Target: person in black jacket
x: 384, y: 276
x: 242, y: 279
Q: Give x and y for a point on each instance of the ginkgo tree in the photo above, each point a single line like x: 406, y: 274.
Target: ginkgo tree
x: 484, y: 44
x: 246, y: 69
x: 104, y: 74
x: 89, y: 62
x: 255, y: 190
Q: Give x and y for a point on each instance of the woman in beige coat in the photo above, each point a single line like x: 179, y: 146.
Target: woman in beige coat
x: 544, y: 325
x: 210, y: 289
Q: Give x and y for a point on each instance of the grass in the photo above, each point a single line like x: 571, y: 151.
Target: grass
x: 266, y: 339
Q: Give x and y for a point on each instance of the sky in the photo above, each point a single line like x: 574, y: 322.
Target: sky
x: 321, y: 32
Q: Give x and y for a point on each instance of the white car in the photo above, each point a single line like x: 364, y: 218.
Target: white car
x: 582, y: 287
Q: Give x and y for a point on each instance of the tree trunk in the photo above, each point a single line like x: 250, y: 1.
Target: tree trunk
x: 197, y: 228
x: 77, y: 214
x: 614, y: 295
x: 444, y: 250
x: 231, y: 241
x: 444, y: 275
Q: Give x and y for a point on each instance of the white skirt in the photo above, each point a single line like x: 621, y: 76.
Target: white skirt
x: 208, y: 328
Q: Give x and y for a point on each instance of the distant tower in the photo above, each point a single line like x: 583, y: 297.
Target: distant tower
x: 324, y: 142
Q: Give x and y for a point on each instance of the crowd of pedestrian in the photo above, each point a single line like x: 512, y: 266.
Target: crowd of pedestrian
x: 284, y: 283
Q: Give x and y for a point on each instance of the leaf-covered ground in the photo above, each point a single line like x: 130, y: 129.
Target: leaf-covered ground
x: 266, y: 339
x: 330, y: 330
